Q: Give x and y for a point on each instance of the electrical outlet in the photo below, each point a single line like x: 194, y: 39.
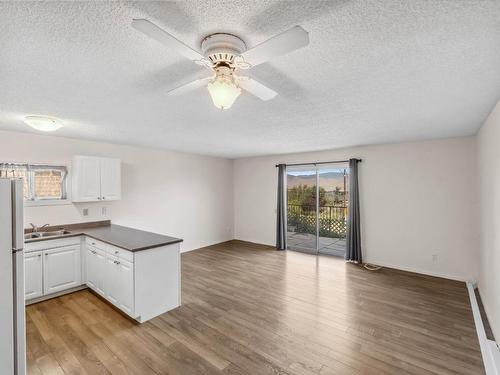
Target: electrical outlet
x: 434, y: 257
x: 85, y: 212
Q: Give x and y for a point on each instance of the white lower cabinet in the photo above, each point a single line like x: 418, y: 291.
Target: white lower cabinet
x: 142, y: 284
x: 33, y: 285
x: 112, y: 280
x: 126, y: 293
x: 51, y: 266
x: 110, y: 272
x: 61, y: 269
x: 95, y: 261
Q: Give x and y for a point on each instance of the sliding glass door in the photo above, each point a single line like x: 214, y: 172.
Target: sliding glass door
x: 317, y: 199
x: 332, y: 213
x: 301, y: 209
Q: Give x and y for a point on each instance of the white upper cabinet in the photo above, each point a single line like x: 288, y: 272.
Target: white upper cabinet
x: 86, y: 182
x: 95, y: 179
x: 110, y: 179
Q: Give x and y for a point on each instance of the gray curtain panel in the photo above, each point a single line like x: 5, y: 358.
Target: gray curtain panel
x: 353, y: 251
x: 281, y: 210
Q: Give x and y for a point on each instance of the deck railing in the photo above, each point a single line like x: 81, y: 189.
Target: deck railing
x: 332, y: 220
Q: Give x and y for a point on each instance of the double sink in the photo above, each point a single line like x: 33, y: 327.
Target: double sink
x: 55, y: 233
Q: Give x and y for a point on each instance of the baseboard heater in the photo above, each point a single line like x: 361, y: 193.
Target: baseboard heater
x: 489, y: 348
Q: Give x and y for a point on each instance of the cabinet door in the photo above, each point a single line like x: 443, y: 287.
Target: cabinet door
x: 126, y: 295
x: 112, y: 280
x: 95, y: 262
x: 61, y: 268
x: 110, y: 179
x: 33, y: 275
x: 86, y: 181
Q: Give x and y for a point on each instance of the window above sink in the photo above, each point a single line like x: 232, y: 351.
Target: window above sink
x: 43, y: 184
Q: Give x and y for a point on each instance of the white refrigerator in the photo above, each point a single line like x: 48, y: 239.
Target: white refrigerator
x: 12, y: 319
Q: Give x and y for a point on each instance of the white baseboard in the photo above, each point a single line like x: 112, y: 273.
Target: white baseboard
x: 416, y: 270
x: 489, y: 349
x: 205, y: 244
x: 54, y: 295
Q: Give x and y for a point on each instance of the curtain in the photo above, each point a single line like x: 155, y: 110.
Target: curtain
x: 281, y: 210
x: 13, y: 170
x: 353, y: 251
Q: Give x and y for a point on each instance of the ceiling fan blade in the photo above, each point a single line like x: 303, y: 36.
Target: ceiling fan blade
x: 150, y: 29
x: 189, y: 86
x: 256, y: 88
x: 278, y: 45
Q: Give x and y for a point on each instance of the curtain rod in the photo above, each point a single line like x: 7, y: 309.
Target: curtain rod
x: 320, y: 162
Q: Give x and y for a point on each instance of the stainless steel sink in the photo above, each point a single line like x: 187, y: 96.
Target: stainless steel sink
x: 55, y: 233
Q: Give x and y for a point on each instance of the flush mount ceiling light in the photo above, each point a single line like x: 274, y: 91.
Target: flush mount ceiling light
x: 224, y: 54
x: 43, y: 123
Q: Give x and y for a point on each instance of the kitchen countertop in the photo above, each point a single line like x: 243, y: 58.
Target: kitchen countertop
x: 124, y: 237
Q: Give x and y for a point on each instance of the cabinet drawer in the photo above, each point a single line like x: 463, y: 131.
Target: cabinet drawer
x: 51, y: 244
x: 110, y: 249
x: 121, y: 253
x: 96, y: 243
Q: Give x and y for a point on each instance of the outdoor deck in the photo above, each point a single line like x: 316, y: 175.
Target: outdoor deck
x: 307, y: 243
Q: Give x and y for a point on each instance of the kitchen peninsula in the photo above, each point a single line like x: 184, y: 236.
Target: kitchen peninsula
x: 137, y: 271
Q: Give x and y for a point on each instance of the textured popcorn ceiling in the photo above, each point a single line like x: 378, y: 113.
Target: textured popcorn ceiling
x: 374, y: 72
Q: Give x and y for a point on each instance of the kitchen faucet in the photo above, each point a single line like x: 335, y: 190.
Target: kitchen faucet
x: 36, y: 229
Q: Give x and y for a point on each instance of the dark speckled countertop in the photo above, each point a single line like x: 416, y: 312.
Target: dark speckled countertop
x: 127, y: 238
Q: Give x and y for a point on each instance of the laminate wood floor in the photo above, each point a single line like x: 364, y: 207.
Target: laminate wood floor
x: 248, y: 309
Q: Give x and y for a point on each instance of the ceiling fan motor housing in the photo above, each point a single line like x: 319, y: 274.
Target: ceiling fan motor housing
x: 222, y: 48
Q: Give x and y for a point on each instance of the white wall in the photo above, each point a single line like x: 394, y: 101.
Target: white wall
x: 488, y: 145
x: 417, y: 199
x: 177, y: 194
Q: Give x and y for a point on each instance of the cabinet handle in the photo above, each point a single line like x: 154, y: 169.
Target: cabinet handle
x: 99, y: 198
x: 103, y: 197
x: 39, y: 255
x: 116, y: 251
x: 117, y: 262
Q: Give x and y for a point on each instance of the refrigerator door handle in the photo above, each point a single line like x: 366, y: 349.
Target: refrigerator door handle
x: 17, y: 215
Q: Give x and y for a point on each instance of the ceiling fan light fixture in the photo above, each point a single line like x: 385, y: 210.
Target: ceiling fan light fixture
x: 223, y: 94
x: 223, y: 88
x: 226, y: 53
x: 43, y: 123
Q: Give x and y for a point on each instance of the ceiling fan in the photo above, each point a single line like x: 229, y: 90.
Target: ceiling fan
x: 224, y: 54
